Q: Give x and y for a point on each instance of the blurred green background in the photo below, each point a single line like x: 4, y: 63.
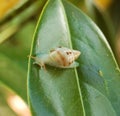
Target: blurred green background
x: 18, y: 19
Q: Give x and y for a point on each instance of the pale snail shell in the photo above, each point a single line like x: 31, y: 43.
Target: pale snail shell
x: 61, y: 57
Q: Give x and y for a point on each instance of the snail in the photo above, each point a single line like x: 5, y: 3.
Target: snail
x: 60, y: 57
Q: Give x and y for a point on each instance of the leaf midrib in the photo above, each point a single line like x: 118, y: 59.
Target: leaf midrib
x: 76, y: 73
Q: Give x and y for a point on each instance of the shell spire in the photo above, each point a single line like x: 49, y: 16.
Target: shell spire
x: 76, y: 53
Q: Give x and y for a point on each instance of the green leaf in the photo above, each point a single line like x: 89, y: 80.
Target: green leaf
x: 93, y: 89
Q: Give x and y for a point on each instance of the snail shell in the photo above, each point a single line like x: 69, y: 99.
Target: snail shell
x: 60, y: 57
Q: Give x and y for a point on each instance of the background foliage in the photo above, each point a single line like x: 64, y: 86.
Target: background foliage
x: 16, y: 31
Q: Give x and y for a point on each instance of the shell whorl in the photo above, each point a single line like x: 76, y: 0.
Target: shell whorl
x: 64, y: 56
